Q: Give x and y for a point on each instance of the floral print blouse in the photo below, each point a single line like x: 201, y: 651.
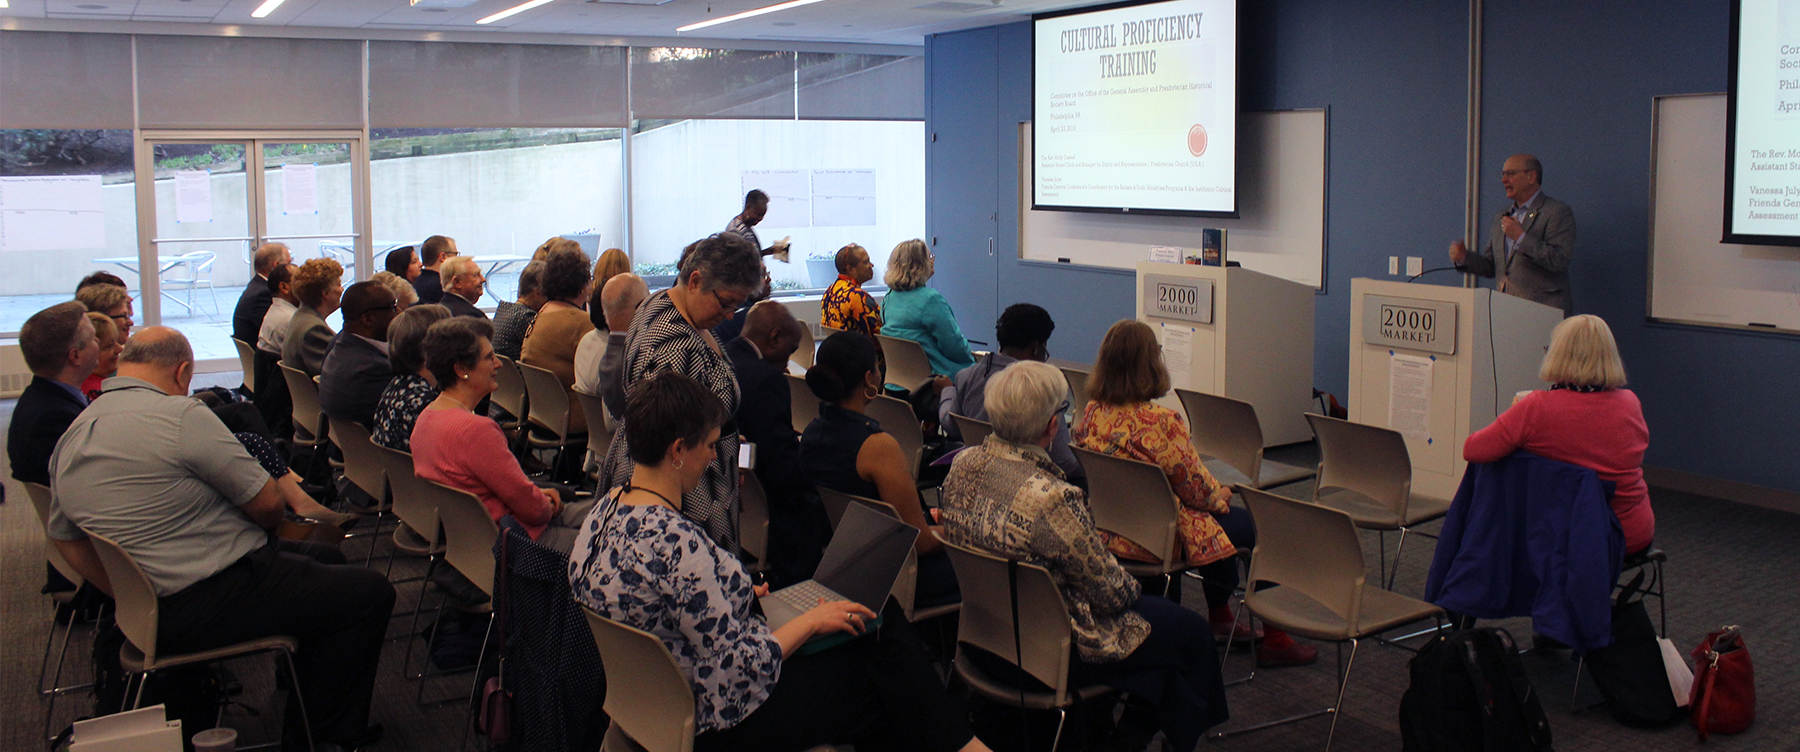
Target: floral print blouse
x: 1149, y: 432
x: 405, y: 396
x: 656, y: 570
x: 846, y: 306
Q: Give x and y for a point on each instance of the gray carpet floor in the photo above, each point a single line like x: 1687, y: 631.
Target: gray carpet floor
x: 1729, y: 564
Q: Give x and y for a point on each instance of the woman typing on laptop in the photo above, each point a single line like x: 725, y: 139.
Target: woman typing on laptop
x: 640, y: 562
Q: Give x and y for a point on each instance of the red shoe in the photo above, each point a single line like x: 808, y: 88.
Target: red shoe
x: 1295, y: 654
x: 1236, y: 631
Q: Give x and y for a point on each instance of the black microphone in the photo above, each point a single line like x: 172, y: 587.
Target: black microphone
x: 1428, y: 271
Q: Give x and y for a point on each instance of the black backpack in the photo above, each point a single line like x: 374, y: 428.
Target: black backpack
x: 1469, y: 693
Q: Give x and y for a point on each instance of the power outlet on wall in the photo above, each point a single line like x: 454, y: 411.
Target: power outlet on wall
x: 1393, y: 265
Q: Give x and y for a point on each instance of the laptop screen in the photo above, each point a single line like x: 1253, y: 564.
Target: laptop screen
x: 865, y: 555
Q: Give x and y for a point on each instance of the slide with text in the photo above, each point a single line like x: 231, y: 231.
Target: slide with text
x: 1766, y: 159
x: 1136, y: 108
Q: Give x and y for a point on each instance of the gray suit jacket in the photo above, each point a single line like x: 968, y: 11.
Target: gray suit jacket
x: 356, y: 372
x: 1539, y: 267
x: 307, y: 340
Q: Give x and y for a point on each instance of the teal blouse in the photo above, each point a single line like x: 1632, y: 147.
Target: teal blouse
x: 924, y: 316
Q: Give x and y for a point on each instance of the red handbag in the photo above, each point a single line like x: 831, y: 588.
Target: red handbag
x: 1724, y: 695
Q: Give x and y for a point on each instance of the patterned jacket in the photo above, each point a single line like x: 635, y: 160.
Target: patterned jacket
x: 1012, y: 501
x: 1151, y: 433
x: 846, y: 306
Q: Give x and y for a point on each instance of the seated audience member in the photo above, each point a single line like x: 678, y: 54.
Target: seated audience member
x: 640, y: 561
x: 111, y: 300
x: 513, y: 320
x: 412, y: 386
x: 98, y: 278
x: 1587, y: 418
x: 463, y: 283
x: 107, y: 335
x: 272, y: 335
x: 157, y: 473
x: 845, y: 305
x: 556, y: 243
x: 911, y: 310
x: 60, y: 347
x: 561, y: 324
x: 404, y: 263
x: 598, y: 356
x: 1023, y: 333
x: 454, y: 446
x: 432, y: 254
x: 246, y: 319
x: 1006, y: 497
x: 846, y: 451
x: 798, y: 527
x: 319, y: 286
x: 612, y: 261
x: 356, y: 370
x: 1122, y: 420
x: 404, y: 294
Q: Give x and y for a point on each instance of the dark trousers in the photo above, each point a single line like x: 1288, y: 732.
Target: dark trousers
x: 338, y: 613
x: 878, y: 692
x: 1221, y: 577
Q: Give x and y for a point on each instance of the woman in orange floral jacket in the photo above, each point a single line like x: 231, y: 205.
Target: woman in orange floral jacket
x: 1122, y: 420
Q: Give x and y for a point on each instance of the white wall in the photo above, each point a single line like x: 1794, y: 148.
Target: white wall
x: 688, y: 183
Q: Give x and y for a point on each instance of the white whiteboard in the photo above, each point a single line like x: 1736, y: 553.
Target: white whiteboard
x: 1281, y: 203
x: 1694, y: 278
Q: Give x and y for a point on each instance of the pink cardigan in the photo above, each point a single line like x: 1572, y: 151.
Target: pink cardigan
x: 468, y: 452
x: 1603, y: 431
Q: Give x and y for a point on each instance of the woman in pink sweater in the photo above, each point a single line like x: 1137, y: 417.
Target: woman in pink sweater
x: 454, y: 446
x: 1587, y: 418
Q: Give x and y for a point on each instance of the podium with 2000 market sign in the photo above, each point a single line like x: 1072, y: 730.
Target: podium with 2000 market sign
x: 1438, y: 363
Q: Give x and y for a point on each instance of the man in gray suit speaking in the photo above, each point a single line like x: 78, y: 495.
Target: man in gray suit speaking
x: 1529, y: 249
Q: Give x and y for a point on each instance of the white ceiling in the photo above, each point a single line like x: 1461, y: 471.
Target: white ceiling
x: 899, y: 22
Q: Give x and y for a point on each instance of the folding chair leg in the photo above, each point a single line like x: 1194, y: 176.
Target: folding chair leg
x: 299, y: 699
x: 1395, y: 572
x: 412, y: 630
x: 475, y: 683
x: 1062, y: 717
x: 1337, y: 710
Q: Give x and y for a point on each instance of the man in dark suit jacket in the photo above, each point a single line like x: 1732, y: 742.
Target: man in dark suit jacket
x: 462, y: 287
x: 798, y: 527
x: 1529, y: 249
x: 356, y: 367
x: 60, y: 349
x: 433, y: 253
x: 246, y: 321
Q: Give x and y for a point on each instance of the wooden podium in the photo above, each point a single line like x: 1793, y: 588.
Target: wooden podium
x: 1245, y: 335
x: 1438, y: 363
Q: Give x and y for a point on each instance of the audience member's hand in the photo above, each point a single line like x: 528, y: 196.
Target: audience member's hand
x: 939, y: 382
x: 760, y: 590
x: 555, y: 500
x: 837, y: 616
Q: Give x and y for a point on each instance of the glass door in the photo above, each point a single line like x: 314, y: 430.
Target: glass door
x: 215, y: 199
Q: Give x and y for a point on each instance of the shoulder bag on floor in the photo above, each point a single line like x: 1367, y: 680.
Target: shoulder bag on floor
x: 1724, y: 699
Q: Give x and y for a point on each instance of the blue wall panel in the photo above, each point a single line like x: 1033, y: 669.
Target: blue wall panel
x: 1570, y: 82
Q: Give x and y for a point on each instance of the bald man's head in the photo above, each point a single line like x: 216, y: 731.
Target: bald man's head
x: 161, y: 356
x: 773, y: 329
x: 620, y: 299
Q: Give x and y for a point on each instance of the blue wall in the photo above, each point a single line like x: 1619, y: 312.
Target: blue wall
x: 1570, y: 82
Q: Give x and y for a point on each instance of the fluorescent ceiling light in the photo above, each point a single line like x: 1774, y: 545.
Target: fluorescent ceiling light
x: 515, y: 10
x: 266, y: 8
x: 748, y: 14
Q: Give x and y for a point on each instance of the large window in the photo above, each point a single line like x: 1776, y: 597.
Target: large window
x: 830, y: 182
x: 44, y: 247
x: 500, y: 192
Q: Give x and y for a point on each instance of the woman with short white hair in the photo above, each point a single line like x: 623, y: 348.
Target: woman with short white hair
x: 1004, y: 496
x: 1586, y: 418
x: 912, y: 310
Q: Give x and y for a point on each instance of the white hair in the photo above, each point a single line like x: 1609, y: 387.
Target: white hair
x: 1022, y: 399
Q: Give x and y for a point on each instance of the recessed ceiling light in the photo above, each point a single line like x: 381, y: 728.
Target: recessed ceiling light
x: 266, y: 8
x: 434, y: 10
x: 786, y: 23
x: 91, y: 7
x: 515, y: 10
x: 747, y: 14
